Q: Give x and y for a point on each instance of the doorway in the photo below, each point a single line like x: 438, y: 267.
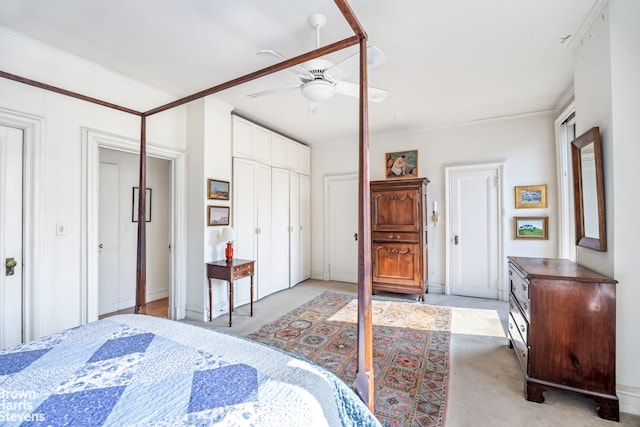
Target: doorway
x: 118, y: 227
x: 474, y: 242
x: 341, y: 225
x: 175, y: 218
x: 11, y: 237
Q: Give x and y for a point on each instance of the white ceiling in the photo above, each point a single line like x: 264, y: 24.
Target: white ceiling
x: 447, y: 61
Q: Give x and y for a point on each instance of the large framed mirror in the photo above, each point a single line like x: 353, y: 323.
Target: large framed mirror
x: 588, y: 190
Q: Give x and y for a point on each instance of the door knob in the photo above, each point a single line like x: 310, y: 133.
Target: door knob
x: 455, y: 240
x: 10, y: 264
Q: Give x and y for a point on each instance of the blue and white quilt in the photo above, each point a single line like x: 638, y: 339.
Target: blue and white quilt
x: 145, y: 371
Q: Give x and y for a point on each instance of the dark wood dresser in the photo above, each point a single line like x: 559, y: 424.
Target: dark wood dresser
x: 399, y: 236
x: 562, y: 326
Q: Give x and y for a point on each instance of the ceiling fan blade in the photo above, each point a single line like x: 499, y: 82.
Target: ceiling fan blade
x: 351, y: 65
x: 351, y: 89
x: 276, y: 57
x: 267, y: 92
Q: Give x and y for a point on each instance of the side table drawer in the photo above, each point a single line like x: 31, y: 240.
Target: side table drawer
x: 240, y: 271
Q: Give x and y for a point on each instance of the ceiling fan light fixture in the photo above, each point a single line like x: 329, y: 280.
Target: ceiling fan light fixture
x: 318, y: 90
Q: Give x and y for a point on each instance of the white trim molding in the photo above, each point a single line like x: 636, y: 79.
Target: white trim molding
x: 33, y: 131
x: 93, y: 140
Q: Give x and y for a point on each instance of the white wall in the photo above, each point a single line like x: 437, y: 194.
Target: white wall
x: 209, y: 156
x: 607, y: 93
x: 57, y: 289
x: 526, y: 144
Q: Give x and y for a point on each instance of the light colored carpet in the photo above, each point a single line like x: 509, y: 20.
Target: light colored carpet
x: 485, y: 381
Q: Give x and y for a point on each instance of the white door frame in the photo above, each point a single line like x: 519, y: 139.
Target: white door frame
x: 93, y: 140
x: 503, y: 292
x: 566, y: 218
x: 328, y: 180
x: 33, y: 128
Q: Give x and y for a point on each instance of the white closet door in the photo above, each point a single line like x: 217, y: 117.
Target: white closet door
x: 305, y: 227
x: 295, y: 274
x: 264, y: 256
x: 280, y: 228
x: 244, y: 219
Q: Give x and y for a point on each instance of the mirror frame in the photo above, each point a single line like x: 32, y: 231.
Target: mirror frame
x: 590, y: 136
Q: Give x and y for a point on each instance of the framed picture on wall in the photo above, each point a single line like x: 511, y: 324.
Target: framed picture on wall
x: 531, y: 196
x: 531, y: 227
x: 401, y: 164
x: 217, y: 215
x: 135, y: 204
x: 217, y: 190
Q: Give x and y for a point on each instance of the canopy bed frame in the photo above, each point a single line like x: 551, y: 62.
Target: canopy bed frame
x: 364, y: 378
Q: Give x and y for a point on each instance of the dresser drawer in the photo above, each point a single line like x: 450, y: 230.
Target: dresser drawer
x: 240, y: 271
x: 520, y: 289
x: 517, y: 320
x: 395, y: 236
x: 519, y: 346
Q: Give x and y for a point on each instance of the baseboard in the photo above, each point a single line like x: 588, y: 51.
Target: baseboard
x: 629, y: 399
x: 435, y: 288
x: 195, y: 313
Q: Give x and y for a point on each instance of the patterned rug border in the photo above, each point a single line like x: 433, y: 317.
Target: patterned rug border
x: 350, y: 296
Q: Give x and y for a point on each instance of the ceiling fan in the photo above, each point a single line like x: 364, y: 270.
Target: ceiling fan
x: 320, y: 79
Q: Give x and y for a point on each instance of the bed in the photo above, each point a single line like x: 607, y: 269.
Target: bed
x: 140, y: 370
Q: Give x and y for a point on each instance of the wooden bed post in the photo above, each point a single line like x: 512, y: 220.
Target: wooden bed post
x: 364, y: 375
x: 141, y: 264
x: 364, y: 384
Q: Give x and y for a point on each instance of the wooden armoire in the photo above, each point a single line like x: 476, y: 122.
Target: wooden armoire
x: 399, y: 236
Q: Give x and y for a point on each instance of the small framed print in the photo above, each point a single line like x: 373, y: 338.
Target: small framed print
x: 217, y: 215
x: 531, y: 227
x: 531, y: 196
x: 217, y: 190
x: 401, y: 164
x: 135, y: 204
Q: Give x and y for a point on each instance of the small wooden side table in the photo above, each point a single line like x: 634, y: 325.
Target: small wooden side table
x: 230, y: 271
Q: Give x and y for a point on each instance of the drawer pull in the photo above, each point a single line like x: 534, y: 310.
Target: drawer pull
x: 526, y: 307
x: 522, y: 328
x: 524, y: 287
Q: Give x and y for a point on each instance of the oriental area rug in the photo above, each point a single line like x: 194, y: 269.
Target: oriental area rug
x: 410, y: 351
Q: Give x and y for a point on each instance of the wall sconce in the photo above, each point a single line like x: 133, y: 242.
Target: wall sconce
x: 434, y: 215
x: 228, y: 235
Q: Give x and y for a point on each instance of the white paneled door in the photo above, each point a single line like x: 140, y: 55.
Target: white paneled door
x: 11, y: 207
x: 108, y: 237
x: 473, y: 226
x: 342, y: 228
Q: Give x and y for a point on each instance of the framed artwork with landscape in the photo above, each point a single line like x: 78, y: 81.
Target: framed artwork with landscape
x: 217, y: 215
x: 217, y: 190
x: 531, y: 196
x: 531, y: 227
x: 401, y: 164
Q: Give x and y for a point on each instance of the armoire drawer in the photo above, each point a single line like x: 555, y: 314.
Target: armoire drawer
x: 395, y: 236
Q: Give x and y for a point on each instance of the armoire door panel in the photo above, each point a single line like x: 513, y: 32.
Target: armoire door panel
x: 396, y: 262
x: 397, y: 210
